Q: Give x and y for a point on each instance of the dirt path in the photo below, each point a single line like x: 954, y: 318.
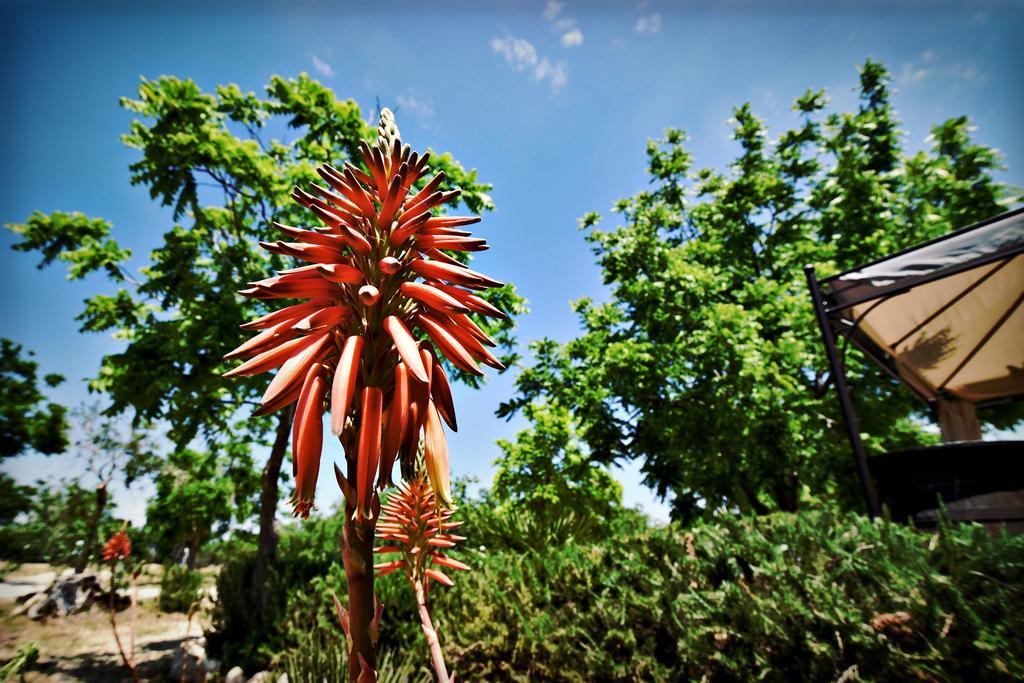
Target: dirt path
x: 81, y: 647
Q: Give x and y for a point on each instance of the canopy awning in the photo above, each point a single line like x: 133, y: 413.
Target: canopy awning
x: 946, y: 317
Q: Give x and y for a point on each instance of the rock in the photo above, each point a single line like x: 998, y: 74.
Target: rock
x: 191, y: 657
x: 262, y: 677
x: 29, y: 603
x: 236, y: 675
x: 69, y: 595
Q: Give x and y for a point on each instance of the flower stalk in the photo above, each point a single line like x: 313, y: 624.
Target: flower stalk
x: 384, y: 301
x: 119, y: 547
x: 413, y: 525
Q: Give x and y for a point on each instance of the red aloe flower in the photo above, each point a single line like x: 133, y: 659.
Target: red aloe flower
x: 413, y: 525
x: 119, y: 547
x: 377, y: 273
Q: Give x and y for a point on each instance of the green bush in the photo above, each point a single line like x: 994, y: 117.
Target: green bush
x: 324, y: 658
x: 805, y: 596
x: 28, y: 654
x: 180, y: 588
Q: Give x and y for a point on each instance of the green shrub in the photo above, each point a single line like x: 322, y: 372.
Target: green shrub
x: 180, y: 588
x: 782, y: 597
x: 323, y: 658
x: 28, y: 654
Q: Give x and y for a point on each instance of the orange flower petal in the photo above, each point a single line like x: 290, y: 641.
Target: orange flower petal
x: 398, y: 416
x: 435, y: 449
x: 329, y: 316
x: 448, y: 344
x: 471, y: 301
x: 310, y: 236
x: 268, y: 360
x: 272, y: 336
x: 467, y: 323
x: 392, y: 199
x: 438, y: 576
x: 451, y: 243
x: 432, y: 297
x: 295, y: 311
x: 407, y: 226
x: 344, y: 383
x: 406, y: 345
x: 441, y: 392
x: 307, y: 439
x: 458, y: 275
x: 427, y: 190
x: 449, y: 562
x: 294, y: 369
x: 369, y: 445
x: 451, y: 221
x: 340, y: 272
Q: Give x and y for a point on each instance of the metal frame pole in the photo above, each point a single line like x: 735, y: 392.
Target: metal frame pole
x: 843, y: 392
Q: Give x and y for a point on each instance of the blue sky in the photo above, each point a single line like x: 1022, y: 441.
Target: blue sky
x: 552, y: 102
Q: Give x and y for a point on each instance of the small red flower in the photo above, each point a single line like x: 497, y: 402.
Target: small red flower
x: 413, y: 525
x: 119, y: 547
x: 377, y: 273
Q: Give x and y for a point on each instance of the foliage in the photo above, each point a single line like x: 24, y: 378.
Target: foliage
x: 786, y: 596
x: 208, y: 157
x: 57, y: 521
x: 547, y: 468
x: 305, y: 573
x: 26, y: 657
x: 109, y: 448
x: 198, y: 494
x: 781, y: 597
x: 704, y: 363
x: 180, y: 588
x: 27, y: 420
x: 14, y: 499
x: 212, y: 158
x: 322, y: 658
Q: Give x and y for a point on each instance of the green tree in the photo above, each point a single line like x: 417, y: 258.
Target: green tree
x: 109, y: 450
x: 548, y: 472
x: 704, y: 364
x: 27, y: 420
x: 198, y: 494
x: 53, y: 528
x: 211, y: 158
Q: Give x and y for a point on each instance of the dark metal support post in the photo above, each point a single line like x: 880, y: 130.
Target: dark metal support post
x: 843, y: 391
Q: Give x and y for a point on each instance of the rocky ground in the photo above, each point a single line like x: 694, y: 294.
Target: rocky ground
x: 81, y: 647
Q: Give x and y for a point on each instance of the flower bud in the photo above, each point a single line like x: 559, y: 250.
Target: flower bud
x: 369, y: 295
x: 389, y: 265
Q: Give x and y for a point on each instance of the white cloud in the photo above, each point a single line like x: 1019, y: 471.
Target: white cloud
x: 930, y: 66
x: 573, y: 38
x: 650, y: 23
x: 556, y: 74
x: 966, y: 72
x: 564, y: 24
x: 522, y: 55
x: 566, y: 27
x: 322, y: 66
x: 519, y: 52
x: 910, y: 73
x: 421, y: 107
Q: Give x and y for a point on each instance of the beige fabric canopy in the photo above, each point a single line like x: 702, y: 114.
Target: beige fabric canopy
x: 946, y: 317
